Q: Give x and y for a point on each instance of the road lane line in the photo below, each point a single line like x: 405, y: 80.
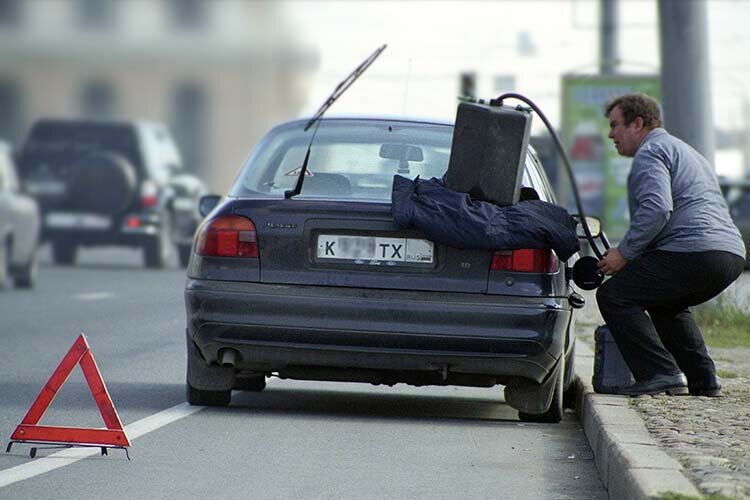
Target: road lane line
x: 72, y: 455
x: 94, y: 296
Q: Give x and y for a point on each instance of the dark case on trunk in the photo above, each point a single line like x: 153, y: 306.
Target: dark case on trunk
x: 488, y: 152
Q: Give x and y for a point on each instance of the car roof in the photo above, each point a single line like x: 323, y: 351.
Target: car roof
x: 388, y: 118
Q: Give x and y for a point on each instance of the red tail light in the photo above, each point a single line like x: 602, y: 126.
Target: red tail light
x: 228, y: 236
x: 525, y: 260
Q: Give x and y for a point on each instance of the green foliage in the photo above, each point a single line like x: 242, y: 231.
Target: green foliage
x: 677, y: 496
x: 723, y: 323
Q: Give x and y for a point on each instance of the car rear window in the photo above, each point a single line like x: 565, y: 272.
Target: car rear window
x: 349, y: 159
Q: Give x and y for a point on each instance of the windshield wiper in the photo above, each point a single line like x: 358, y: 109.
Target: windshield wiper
x: 315, y: 120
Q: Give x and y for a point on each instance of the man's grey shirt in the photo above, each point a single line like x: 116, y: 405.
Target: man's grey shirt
x: 675, y: 201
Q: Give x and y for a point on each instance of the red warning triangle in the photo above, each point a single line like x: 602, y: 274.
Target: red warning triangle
x: 114, y: 435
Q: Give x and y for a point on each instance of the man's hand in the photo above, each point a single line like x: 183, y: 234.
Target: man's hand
x: 612, y: 262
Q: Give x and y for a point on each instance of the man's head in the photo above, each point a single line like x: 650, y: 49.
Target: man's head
x: 631, y: 117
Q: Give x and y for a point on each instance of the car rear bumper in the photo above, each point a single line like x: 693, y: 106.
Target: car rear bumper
x: 275, y: 327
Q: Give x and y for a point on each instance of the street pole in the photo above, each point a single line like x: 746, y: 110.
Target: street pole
x: 608, y: 53
x: 685, y: 83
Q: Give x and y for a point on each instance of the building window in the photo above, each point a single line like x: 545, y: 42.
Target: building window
x: 11, y: 126
x: 189, y: 125
x: 189, y: 14
x: 98, y: 100
x: 96, y: 14
x: 10, y: 13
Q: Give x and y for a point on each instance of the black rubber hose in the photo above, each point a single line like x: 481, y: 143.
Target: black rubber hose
x: 558, y: 143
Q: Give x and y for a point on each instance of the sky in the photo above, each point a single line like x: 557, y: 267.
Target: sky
x: 529, y: 44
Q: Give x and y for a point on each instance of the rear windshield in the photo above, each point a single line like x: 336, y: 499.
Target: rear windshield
x: 56, y: 138
x: 349, y: 159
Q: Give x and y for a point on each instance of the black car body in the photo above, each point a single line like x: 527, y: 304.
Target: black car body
x: 265, y: 295
x: 19, y: 227
x: 111, y: 183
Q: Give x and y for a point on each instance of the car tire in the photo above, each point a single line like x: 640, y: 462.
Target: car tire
x: 199, y: 397
x: 26, y: 276
x: 156, y: 250
x: 64, y: 252
x: 104, y: 183
x: 184, y: 252
x: 216, y: 382
x: 555, y: 412
x: 255, y: 384
x: 3, y: 265
x: 569, y: 390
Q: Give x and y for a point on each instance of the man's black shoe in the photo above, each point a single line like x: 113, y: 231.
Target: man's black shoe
x: 674, y: 385
x: 710, y: 387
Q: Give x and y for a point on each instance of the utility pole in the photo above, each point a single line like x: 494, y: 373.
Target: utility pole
x: 685, y: 83
x: 608, y: 50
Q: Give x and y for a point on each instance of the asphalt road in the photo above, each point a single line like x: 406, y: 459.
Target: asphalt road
x: 294, y: 440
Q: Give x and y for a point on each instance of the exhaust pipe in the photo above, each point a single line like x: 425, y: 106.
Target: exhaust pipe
x: 229, y: 358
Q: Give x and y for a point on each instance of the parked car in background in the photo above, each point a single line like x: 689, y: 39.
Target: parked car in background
x: 737, y: 194
x: 325, y: 286
x: 111, y: 183
x: 19, y: 227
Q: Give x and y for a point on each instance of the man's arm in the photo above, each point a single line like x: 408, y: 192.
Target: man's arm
x: 650, y: 184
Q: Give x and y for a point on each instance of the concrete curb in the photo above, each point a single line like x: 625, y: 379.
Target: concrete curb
x: 630, y: 462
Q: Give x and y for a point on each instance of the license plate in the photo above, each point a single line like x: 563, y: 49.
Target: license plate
x: 66, y: 220
x: 374, y: 249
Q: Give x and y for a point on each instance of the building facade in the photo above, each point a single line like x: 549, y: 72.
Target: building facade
x: 219, y: 74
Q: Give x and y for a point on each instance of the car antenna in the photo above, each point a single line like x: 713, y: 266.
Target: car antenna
x: 315, y: 120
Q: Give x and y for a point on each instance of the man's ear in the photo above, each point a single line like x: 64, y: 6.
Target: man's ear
x: 638, y: 123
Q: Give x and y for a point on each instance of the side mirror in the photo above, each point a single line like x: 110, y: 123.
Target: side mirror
x: 594, y: 224
x: 208, y: 203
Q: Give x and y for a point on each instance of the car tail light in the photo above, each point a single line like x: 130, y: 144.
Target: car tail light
x: 525, y: 260
x: 228, y: 236
x: 149, y: 194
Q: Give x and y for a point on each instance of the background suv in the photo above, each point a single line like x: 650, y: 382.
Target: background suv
x: 110, y: 183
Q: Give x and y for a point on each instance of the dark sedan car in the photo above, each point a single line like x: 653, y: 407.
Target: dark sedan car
x: 19, y: 227
x: 324, y: 286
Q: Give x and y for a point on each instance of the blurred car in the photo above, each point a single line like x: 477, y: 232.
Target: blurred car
x: 324, y: 286
x: 737, y: 194
x: 19, y: 227
x: 111, y: 183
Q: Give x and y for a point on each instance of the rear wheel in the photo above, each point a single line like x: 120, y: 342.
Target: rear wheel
x: 256, y: 383
x: 26, y: 277
x: 199, y: 397
x: 64, y: 252
x: 555, y: 412
x: 157, y: 249
x: 3, y: 264
x: 184, y: 254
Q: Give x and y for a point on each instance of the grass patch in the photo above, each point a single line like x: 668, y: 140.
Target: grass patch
x: 723, y: 323
x: 726, y: 374
x: 677, y: 496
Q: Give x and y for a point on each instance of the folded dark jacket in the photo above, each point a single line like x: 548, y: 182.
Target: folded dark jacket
x: 453, y: 218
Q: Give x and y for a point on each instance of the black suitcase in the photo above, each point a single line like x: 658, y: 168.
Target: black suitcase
x: 610, y: 371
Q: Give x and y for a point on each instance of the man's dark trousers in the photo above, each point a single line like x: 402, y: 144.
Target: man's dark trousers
x: 665, y: 284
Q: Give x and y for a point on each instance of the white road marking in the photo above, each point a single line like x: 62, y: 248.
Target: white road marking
x: 72, y: 455
x: 94, y: 296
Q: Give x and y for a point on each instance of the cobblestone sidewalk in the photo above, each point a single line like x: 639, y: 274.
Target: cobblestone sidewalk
x: 709, y: 436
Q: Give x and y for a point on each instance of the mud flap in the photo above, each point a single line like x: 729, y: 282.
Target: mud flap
x: 529, y: 397
x: 203, y: 376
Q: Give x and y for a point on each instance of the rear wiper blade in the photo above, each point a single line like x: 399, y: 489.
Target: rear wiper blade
x: 315, y: 120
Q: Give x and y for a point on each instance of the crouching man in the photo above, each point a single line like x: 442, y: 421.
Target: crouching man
x: 680, y: 250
